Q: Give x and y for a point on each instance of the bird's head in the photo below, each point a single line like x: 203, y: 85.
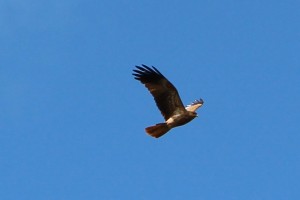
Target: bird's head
x: 193, y: 114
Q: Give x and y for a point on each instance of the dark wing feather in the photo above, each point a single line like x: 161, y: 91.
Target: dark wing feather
x: 165, y: 94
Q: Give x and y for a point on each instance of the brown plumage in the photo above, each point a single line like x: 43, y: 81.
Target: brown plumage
x: 167, y: 100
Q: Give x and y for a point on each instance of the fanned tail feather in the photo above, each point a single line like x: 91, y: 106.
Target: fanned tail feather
x: 157, y: 130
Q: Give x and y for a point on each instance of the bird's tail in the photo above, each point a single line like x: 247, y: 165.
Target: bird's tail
x: 157, y: 130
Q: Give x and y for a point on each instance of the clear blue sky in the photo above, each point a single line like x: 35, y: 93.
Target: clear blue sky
x: 72, y: 116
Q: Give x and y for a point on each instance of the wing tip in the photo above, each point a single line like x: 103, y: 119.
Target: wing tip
x: 146, y: 71
x: 197, y: 101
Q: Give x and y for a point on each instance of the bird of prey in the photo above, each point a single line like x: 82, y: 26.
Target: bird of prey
x: 167, y: 100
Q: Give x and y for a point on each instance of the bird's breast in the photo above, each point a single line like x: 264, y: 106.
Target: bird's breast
x: 179, y: 120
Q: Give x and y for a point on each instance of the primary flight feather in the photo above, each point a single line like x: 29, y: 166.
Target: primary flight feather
x: 167, y: 100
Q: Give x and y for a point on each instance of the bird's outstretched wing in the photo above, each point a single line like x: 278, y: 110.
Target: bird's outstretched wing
x: 194, y: 105
x: 165, y: 94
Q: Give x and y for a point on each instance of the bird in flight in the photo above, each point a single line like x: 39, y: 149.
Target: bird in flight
x: 167, y: 100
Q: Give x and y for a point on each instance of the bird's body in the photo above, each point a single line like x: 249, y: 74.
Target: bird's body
x: 167, y: 100
x: 181, y: 119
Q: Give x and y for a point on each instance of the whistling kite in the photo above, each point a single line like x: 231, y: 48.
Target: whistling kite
x: 167, y: 100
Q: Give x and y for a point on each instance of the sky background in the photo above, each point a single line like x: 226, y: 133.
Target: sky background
x: 72, y: 117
